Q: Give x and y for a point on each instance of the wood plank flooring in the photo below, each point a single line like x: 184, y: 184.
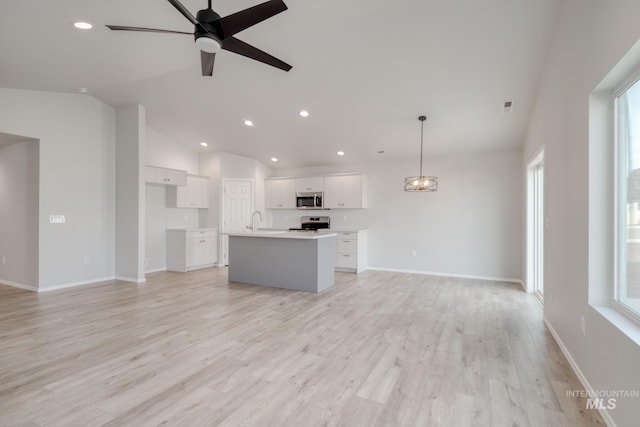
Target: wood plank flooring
x: 377, y: 349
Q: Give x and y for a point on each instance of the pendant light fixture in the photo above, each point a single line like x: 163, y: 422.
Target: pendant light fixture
x: 421, y: 182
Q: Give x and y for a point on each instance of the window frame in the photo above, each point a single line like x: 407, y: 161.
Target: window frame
x: 620, y: 158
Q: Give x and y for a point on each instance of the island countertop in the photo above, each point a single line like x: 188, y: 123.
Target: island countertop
x: 284, y: 234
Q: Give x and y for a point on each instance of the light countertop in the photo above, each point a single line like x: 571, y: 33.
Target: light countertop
x: 276, y: 234
x: 191, y: 229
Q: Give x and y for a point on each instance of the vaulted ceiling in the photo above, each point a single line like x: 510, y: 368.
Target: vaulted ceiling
x: 364, y: 69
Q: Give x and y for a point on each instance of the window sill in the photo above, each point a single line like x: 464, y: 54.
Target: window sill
x: 630, y: 328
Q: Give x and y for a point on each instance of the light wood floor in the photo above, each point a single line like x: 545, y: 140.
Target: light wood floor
x: 378, y: 349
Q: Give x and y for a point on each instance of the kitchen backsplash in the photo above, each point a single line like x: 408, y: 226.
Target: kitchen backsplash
x: 340, y: 218
x: 182, y: 218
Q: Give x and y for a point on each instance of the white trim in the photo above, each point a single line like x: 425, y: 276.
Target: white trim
x: 535, y: 161
x: 130, y: 279
x: 155, y: 270
x: 75, y: 284
x: 583, y: 380
x: 461, y: 276
x: 626, y: 84
x: 18, y: 285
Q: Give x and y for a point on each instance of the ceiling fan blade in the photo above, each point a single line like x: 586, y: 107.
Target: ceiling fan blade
x: 146, y: 30
x: 235, y: 45
x: 244, y: 19
x: 185, y: 12
x: 207, y: 60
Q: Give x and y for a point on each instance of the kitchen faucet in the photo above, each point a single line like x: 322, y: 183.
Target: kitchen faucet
x: 253, y: 220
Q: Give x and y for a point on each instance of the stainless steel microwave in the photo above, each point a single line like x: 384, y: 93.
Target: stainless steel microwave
x: 309, y: 200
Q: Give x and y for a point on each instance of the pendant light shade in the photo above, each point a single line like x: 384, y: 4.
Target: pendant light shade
x: 421, y: 182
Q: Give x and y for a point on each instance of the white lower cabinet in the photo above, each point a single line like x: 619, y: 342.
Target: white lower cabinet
x: 351, y: 251
x: 192, y: 249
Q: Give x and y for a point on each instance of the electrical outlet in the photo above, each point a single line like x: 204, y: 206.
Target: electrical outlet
x: 4, y: 259
x: 345, y: 218
x: 86, y: 260
x: 583, y: 326
x: 414, y: 252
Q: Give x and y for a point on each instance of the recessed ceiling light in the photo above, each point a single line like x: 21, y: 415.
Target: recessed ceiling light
x: 82, y: 25
x: 204, y: 144
x: 340, y: 153
x: 83, y: 90
x: 274, y: 159
x: 248, y: 123
x: 304, y: 113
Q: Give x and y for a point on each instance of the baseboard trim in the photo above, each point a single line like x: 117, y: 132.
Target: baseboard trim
x: 75, y: 284
x: 604, y: 413
x: 461, y: 276
x: 18, y: 285
x: 130, y: 279
x: 155, y: 270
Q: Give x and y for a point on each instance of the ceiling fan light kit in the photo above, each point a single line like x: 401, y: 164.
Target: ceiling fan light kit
x: 213, y: 33
x: 208, y: 45
x: 421, y: 183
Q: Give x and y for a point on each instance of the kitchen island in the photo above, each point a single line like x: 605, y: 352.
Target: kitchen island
x: 302, y: 261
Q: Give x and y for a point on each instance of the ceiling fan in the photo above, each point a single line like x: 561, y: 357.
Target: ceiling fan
x: 212, y: 32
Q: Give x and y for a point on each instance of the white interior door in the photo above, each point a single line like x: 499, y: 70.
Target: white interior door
x: 237, y: 206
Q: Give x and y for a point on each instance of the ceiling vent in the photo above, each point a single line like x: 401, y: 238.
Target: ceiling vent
x: 507, y: 107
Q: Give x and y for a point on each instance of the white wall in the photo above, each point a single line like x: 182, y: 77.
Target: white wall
x: 163, y: 151
x: 130, y: 190
x: 76, y: 179
x: 591, y: 37
x: 470, y: 227
x: 210, y: 166
x: 19, y: 214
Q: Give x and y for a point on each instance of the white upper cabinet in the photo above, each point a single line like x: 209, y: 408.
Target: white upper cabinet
x: 165, y: 176
x: 345, y: 191
x: 310, y: 184
x: 280, y: 193
x: 193, y: 195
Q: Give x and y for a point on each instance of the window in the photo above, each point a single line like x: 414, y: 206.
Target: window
x: 535, y: 226
x: 627, y: 223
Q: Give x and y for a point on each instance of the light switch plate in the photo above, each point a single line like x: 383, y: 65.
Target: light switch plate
x: 57, y: 219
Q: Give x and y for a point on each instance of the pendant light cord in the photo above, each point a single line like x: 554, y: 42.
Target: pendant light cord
x: 422, y: 119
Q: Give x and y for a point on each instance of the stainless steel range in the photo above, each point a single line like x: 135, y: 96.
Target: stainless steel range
x: 313, y: 223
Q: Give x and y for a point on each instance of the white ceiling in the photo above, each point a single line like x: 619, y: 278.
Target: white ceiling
x: 365, y: 69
